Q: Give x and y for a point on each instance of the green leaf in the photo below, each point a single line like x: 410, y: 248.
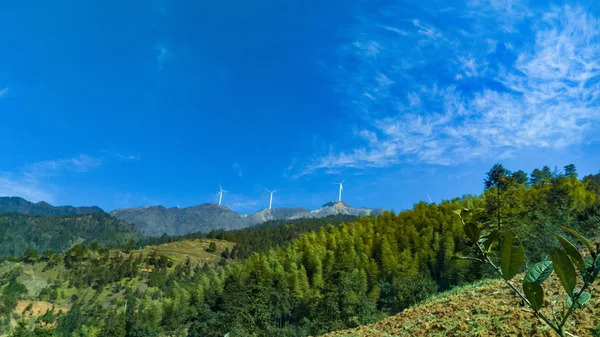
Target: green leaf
x: 457, y: 257
x: 534, y: 294
x: 457, y: 211
x: 539, y: 272
x: 565, y: 270
x: 472, y: 231
x: 571, y: 251
x: 490, y: 240
x: 589, y: 261
x: 578, y: 236
x: 582, y: 300
x: 511, y: 255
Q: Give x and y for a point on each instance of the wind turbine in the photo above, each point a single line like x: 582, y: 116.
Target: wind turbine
x: 341, y: 188
x: 220, y: 194
x: 271, y: 197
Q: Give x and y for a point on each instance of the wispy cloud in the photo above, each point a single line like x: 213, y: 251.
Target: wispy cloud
x: 3, y: 92
x: 80, y: 163
x: 238, y: 169
x: 163, y: 55
x: 241, y: 203
x: 475, y: 97
x: 33, y: 181
x: 24, y: 187
x: 127, y: 157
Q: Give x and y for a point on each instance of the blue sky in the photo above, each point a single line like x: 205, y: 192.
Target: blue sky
x: 123, y: 104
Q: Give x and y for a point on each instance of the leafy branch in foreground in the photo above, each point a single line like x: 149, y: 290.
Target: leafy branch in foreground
x: 565, y: 263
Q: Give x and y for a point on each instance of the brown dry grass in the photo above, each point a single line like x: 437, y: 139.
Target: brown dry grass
x: 488, y: 308
x: 38, y: 308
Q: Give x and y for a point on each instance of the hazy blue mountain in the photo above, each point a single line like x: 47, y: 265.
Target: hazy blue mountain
x: 334, y: 208
x: 157, y: 220
x: 20, y: 205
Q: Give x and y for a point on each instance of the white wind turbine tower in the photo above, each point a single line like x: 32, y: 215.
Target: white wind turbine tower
x: 341, y: 188
x: 220, y: 194
x: 271, y: 197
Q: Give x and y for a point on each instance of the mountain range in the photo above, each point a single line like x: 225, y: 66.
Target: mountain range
x: 159, y: 220
x: 20, y: 205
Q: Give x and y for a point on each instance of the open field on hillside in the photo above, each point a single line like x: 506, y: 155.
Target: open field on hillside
x: 194, y: 249
x: 486, y: 308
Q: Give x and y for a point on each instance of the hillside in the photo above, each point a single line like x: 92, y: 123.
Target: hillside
x: 259, y: 238
x: 196, y: 250
x: 317, y: 278
x: 486, y: 308
x: 60, y: 232
x: 158, y: 220
x: 20, y: 205
x: 51, y: 283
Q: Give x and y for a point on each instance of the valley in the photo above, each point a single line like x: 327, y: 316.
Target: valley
x: 359, y: 275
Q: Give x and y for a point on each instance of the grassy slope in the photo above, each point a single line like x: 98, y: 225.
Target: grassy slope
x: 194, y: 249
x: 35, y: 278
x: 486, y: 308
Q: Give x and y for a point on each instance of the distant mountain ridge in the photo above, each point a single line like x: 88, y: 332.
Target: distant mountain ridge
x: 157, y: 220
x: 20, y: 205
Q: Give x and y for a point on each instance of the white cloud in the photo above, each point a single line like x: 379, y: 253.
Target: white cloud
x: 163, y: 54
x: 548, y: 98
x: 242, y: 204
x: 238, y: 169
x: 32, y: 182
x: 3, y: 92
x: 395, y: 30
x: 127, y: 157
x: 427, y: 30
x: 24, y: 187
x: 80, y: 163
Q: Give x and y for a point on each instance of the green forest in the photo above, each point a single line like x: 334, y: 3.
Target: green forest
x: 58, y: 233
x: 285, y: 279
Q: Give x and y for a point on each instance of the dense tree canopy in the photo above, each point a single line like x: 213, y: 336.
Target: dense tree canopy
x: 20, y: 232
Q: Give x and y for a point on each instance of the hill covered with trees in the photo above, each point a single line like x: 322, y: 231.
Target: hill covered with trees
x: 332, y: 278
x: 58, y: 233
x: 20, y: 205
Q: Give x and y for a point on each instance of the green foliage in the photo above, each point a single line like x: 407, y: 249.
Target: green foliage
x: 571, y: 251
x: 260, y: 238
x: 539, y: 272
x: 565, y: 270
x: 212, y: 247
x: 511, y: 255
x: 565, y: 260
x: 20, y: 233
x: 310, y: 276
x: 534, y: 294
